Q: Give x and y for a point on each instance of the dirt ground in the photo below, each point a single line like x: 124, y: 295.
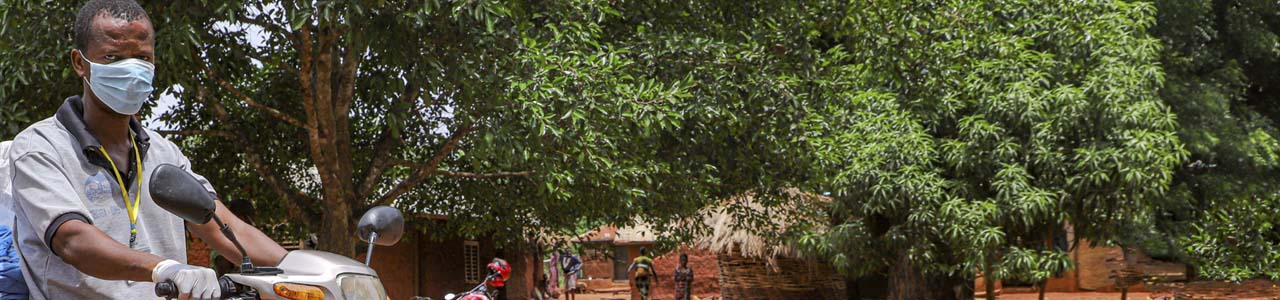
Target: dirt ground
x: 1200, y: 290
x: 1048, y: 296
x: 606, y: 296
x: 1217, y: 290
x: 1074, y: 296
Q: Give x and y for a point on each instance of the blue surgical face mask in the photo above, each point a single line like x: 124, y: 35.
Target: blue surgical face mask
x: 123, y: 85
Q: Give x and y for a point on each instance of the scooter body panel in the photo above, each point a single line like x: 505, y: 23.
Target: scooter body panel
x: 308, y: 267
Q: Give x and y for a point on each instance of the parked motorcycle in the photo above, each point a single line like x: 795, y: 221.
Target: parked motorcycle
x: 490, y: 287
x: 302, y: 274
x: 480, y: 292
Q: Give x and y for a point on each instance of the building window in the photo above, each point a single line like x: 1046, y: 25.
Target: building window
x: 471, y: 257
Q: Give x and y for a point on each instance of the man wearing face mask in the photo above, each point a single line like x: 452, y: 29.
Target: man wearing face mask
x: 86, y: 226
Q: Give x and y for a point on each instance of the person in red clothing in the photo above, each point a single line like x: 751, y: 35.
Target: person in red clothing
x: 499, y: 272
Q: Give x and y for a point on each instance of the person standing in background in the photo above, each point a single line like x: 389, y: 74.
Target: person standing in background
x: 12, y: 284
x: 554, y: 269
x: 571, y: 265
x: 683, y: 279
x: 642, y: 268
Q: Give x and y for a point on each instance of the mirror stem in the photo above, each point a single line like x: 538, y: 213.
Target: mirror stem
x: 368, y: 254
x: 246, y: 265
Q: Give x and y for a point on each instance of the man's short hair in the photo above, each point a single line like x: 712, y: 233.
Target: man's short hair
x: 127, y: 10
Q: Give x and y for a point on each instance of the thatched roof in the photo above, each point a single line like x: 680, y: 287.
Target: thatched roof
x: 635, y: 234
x: 731, y: 230
x: 638, y: 234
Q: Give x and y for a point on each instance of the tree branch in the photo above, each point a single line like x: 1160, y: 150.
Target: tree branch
x: 458, y: 174
x: 266, y: 25
x: 347, y: 76
x: 484, y: 175
x: 425, y: 170
x: 462, y: 175
x: 297, y: 204
x: 276, y: 62
x: 254, y: 104
x: 386, y: 143
x: 191, y: 132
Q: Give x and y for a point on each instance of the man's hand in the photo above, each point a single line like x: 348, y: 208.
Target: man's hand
x: 194, y: 283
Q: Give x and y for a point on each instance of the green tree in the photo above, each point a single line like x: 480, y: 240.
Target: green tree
x: 956, y: 137
x: 983, y: 127
x: 1221, y: 57
x: 501, y: 114
x: 496, y: 113
x: 33, y: 79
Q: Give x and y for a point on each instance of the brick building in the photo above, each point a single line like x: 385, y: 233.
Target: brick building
x: 422, y: 266
x: 609, y: 250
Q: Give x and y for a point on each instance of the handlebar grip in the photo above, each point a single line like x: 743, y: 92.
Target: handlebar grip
x: 167, y: 290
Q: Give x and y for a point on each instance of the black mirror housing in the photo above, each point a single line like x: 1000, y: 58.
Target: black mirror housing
x: 176, y: 191
x: 384, y: 220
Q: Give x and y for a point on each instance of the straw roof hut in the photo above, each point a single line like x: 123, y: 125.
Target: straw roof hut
x: 757, y: 267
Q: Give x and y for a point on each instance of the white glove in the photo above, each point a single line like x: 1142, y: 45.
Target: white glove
x: 193, y: 283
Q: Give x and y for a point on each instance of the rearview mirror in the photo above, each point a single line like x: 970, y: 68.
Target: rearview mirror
x: 176, y: 191
x: 386, y: 221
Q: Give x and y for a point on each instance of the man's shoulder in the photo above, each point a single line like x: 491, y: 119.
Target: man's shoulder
x: 161, y: 145
x: 44, y: 137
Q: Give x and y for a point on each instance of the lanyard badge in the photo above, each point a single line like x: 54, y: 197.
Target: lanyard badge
x: 137, y: 200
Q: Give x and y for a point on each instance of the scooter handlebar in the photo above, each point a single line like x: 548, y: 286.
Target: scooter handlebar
x: 169, y: 290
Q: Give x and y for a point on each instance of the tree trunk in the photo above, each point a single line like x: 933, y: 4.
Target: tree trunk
x: 337, y: 234
x: 990, y: 286
x: 852, y: 290
x: 906, y: 282
x: 1043, y: 284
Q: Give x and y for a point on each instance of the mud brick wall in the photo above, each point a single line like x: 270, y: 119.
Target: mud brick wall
x: 705, y: 273
x: 198, y: 253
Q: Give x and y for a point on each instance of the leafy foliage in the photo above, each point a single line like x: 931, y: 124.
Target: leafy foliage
x: 33, y: 79
x: 1220, y: 59
x: 959, y: 135
x: 1006, y: 120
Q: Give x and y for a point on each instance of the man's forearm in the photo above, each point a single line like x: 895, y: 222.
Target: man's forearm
x: 261, y: 249
x: 92, y: 252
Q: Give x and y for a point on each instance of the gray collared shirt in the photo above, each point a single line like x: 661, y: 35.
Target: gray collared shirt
x: 58, y: 175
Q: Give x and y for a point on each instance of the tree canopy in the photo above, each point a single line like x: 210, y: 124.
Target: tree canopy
x: 982, y: 129
x: 1220, y: 59
x: 956, y: 138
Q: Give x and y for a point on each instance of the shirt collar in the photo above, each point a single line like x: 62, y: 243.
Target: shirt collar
x: 71, y: 115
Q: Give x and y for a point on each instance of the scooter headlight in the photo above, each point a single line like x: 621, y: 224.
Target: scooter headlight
x: 361, y: 287
x: 294, y: 291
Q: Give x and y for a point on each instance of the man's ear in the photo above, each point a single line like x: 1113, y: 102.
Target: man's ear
x: 77, y: 63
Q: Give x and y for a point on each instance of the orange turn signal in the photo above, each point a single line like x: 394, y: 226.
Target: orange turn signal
x: 296, y: 291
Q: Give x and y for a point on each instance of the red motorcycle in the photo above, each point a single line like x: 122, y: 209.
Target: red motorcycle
x: 499, y: 272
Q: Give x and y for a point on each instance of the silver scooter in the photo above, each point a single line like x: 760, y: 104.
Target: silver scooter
x: 302, y: 274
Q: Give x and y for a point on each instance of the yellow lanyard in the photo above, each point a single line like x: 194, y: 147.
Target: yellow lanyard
x: 137, y: 200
